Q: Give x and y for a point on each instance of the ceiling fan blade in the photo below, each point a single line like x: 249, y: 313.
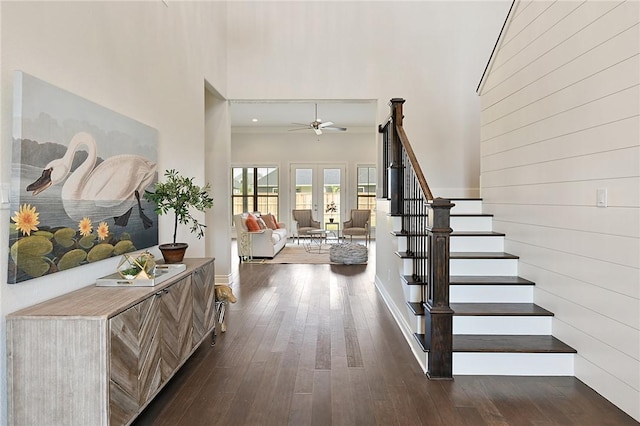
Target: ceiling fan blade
x: 318, y: 131
x: 337, y: 129
x: 299, y: 128
x: 323, y: 125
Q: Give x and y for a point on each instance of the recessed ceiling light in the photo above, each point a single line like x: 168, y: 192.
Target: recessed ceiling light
x: 255, y: 120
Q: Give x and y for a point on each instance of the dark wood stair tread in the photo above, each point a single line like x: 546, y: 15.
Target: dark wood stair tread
x: 462, y: 255
x: 416, y: 308
x: 499, y: 309
x: 454, y: 234
x: 488, y: 280
x: 405, y: 255
x: 489, y: 309
x: 482, y: 255
x: 409, y: 280
x: 474, y: 280
x: 406, y: 234
x: 477, y: 234
x: 509, y: 343
x: 502, y: 343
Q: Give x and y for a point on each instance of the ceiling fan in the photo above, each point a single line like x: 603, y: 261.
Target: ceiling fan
x: 317, y: 125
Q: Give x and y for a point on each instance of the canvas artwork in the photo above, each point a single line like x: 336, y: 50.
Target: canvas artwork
x: 78, y: 176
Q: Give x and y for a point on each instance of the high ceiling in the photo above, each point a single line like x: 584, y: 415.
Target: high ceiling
x: 282, y: 114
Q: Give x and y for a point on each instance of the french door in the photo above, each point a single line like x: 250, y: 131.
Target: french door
x: 319, y: 187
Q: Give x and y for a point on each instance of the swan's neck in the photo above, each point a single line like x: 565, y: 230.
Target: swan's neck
x: 72, y: 188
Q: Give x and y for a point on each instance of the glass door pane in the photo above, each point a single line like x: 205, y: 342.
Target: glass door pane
x: 303, y: 198
x: 332, y: 184
x: 316, y: 187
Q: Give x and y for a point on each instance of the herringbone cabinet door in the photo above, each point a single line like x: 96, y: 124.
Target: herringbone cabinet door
x: 135, y: 359
x: 177, y: 321
x: 203, y: 301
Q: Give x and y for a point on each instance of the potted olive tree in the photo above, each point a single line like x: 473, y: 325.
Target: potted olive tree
x: 179, y: 194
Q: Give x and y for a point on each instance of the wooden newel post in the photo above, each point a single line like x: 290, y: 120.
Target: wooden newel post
x: 438, y: 313
x: 396, y: 178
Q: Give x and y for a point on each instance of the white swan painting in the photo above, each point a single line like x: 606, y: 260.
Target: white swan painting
x: 114, y: 186
x: 78, y: 176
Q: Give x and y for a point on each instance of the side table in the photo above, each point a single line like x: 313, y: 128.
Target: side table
x: 334, y: 227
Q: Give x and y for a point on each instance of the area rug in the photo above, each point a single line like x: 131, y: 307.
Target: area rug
x: 294, y: 253
x: 297, y: 254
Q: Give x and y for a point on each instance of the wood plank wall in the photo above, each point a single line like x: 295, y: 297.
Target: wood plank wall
x: 560, y: 119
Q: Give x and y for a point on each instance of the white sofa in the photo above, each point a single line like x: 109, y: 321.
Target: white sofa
x: 265, y: 243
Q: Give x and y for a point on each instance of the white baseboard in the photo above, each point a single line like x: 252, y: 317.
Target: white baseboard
x: 418, y: 353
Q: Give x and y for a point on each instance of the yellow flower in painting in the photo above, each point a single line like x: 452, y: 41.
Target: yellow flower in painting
x: 85, y: 226
x: 103, y: 231
x: 26, y: 219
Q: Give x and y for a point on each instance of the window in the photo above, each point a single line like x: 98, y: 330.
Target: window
x: 367, y: 190
x: 254, y: 189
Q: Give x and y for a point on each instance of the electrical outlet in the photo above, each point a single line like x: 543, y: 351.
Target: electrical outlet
x: 601, y: 197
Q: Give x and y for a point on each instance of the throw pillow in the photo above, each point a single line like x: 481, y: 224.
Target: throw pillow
x: 275, y: 221
x: 261, y: 223
x: 252, y: 223
x: 269, y: 221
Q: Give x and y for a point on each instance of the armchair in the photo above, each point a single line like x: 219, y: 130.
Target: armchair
x: 304, y: 222
x: 358, y: 225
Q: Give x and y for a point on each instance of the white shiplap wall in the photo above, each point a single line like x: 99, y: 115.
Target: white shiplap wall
x: 561, y: 119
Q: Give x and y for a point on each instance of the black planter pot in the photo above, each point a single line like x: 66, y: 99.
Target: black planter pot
x: 173, y: 253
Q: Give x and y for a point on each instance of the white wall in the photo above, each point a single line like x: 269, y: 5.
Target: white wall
x: 560, y: 120
x: 217, y: 134
x: 351, y: 149
x: 150, y: 61
x: 146, y: 60
x: 431, y: 53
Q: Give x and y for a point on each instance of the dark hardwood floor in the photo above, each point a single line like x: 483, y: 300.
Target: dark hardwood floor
x: 316, y: 345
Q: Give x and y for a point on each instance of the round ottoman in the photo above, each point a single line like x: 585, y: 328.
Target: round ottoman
x: 348, y: 253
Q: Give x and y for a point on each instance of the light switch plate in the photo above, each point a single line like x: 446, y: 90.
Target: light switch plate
x: 4, y: 194
x: 601, y: 197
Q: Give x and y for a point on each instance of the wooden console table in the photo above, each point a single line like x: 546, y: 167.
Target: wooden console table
x: 99, y: 355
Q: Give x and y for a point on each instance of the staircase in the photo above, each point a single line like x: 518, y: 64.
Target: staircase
x: 497, y: 329
x: 472, y: 313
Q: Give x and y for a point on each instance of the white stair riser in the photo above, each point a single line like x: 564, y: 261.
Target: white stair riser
x: 513, y: 364
x: 465, y: 243
x: 491, y: 267
x: 406, y: 267
x: 471, y: 223
x: 477, y: 243
x: 418, y: 324
x: 501, y: 325
x: 413, y: 293
x: 396, y: 223
x: 491, y: 294
x: 467, y: 207
x: 401, y: 244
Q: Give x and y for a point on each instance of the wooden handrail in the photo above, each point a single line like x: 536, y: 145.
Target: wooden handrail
x: 397, y: 117
x: 414, y: 162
